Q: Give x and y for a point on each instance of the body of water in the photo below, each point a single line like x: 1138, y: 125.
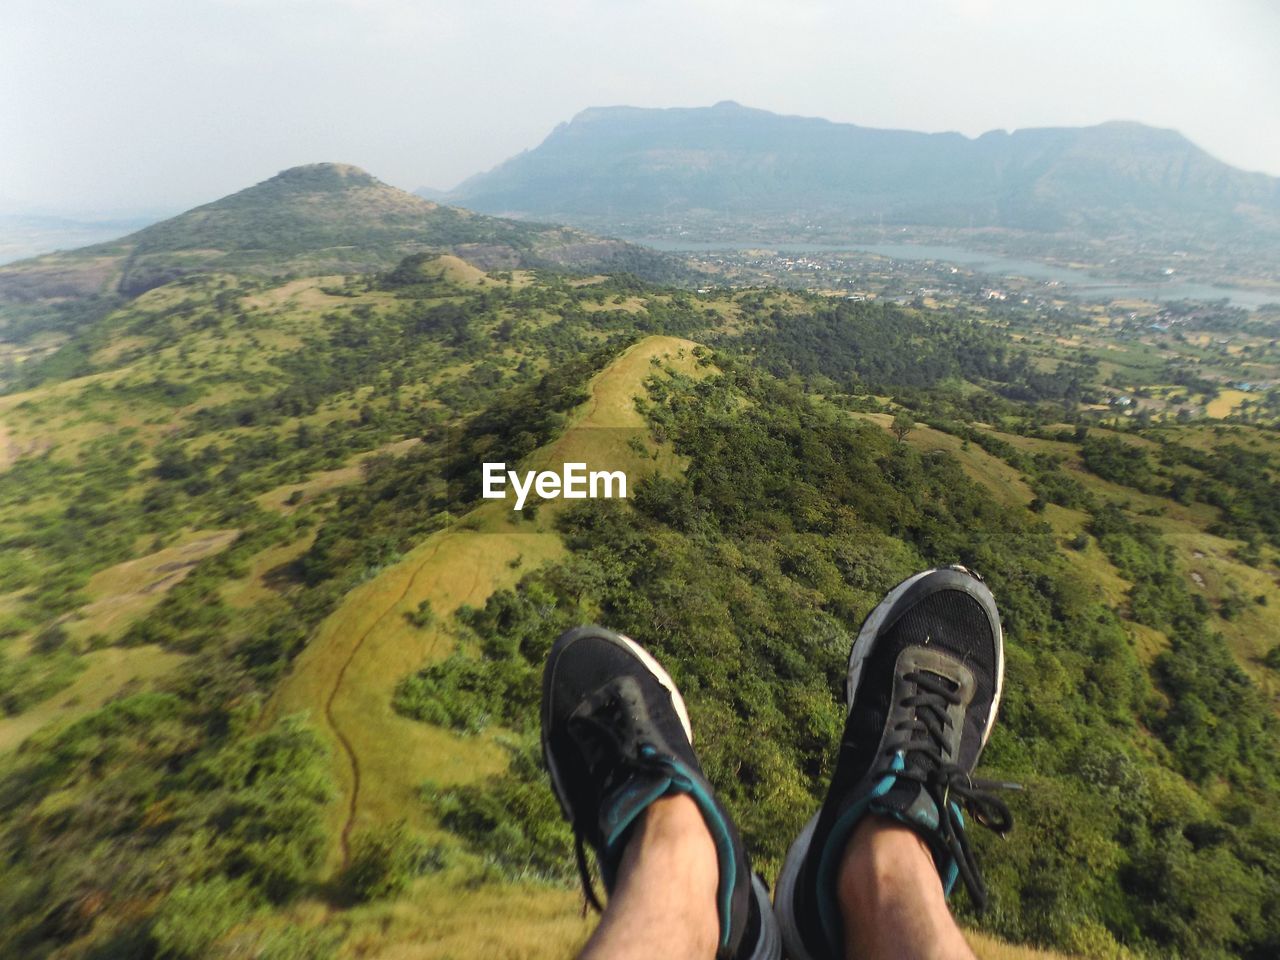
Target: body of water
x: 1078, y: 281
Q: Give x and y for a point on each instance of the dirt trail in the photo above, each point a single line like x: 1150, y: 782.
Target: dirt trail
x: 345, y: 743
x: 348, y: 673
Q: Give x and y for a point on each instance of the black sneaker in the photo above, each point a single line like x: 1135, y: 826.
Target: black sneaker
x: 616, y: 737
x: 923, y: 687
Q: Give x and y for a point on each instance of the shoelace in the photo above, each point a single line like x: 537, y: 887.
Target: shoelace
x: 605, y: 750
x: 584, y: 874
x: 924, y: 738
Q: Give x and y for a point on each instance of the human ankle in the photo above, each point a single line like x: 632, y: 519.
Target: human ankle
x: 891, y: 897
x: 674, y: 826
x: 672, y: 847
x: 880, y: 847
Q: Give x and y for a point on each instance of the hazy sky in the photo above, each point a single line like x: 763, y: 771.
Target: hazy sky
x: 114, y: 105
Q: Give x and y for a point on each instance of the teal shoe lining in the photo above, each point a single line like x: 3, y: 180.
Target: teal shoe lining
x: 679, y: 780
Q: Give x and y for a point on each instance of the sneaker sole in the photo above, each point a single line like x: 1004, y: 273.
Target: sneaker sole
x: 784, y: 895
x: 646, y: 660
x: 769, y: 943
x: 792, y: 944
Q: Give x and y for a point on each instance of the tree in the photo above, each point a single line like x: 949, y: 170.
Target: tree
x: 902, y: 425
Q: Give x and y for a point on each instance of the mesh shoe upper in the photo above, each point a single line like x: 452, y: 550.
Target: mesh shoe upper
x: 616, y: 737
x: 924, y: 686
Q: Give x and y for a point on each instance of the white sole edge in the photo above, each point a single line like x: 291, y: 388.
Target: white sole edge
x: 784, y: 893
x: 664, y: 680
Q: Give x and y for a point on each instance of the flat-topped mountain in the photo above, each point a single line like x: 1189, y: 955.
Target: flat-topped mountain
x: 315, y: 219
x: 626, y: 165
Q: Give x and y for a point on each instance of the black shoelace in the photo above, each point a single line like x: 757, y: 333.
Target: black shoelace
x: 922, y: 739
x: 607, y: 744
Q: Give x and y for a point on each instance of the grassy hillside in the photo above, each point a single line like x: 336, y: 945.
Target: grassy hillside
x: 268, y: 662
x: 318, y: 219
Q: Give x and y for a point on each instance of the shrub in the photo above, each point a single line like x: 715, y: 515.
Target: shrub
x: 511, y: 818
x: 422, y: 616
x: 35, y: 677
x: 193, y: 916
x: 385, y: 860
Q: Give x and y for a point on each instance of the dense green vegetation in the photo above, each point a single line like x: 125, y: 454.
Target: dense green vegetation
x: 748, y: 577
x: 168, y: 817
x: 188, y: 803
x: 872, y: 347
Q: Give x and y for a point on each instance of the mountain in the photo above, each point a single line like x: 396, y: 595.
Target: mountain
x: 649, y: 167
x: 310, y: 220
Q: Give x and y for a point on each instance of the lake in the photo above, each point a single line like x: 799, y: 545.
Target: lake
x: 1078, y: 281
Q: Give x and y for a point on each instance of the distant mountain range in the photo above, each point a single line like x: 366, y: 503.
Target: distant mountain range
x: 311, y: 220
x: 640, y: 170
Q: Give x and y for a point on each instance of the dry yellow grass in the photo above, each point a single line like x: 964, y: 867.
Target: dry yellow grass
x: 125, y: 592
x: 455, y: 270
x: 445, y: 918
x: 347, y: 675
x: 628, y: 305
x: 1004, y: 482
x: 120, y: 595
x: 1214, y: 573
x: 9, y: 451
x: 118, y: 347
x: 989, y: 948
x: 1225, y: 403
x: 1148, y: 641
x: 325, y: 480
x: 298, y: 293
x: 108, y: 673
x: 258, y: 587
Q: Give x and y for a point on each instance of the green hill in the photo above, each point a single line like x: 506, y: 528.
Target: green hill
x: 313, y: 220
x: 268, y: 662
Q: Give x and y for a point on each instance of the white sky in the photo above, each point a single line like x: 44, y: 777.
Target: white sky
x: 120, y: 105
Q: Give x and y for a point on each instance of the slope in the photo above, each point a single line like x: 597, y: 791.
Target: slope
x: 632, y: 168
x: 322, y: 218
x: 338, y: 425
x: 348, y: 673
x: 347, y: 677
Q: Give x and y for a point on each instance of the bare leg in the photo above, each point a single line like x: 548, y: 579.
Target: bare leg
x: 891, y: 898
x: 664, y: 903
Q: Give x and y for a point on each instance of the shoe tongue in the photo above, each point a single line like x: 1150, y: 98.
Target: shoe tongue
x: 909, y: 802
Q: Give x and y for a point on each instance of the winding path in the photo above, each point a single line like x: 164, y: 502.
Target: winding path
x: 350, y: 668
x: 345, y: 742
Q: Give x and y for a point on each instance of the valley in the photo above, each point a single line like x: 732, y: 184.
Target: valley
x: 269, y: 657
